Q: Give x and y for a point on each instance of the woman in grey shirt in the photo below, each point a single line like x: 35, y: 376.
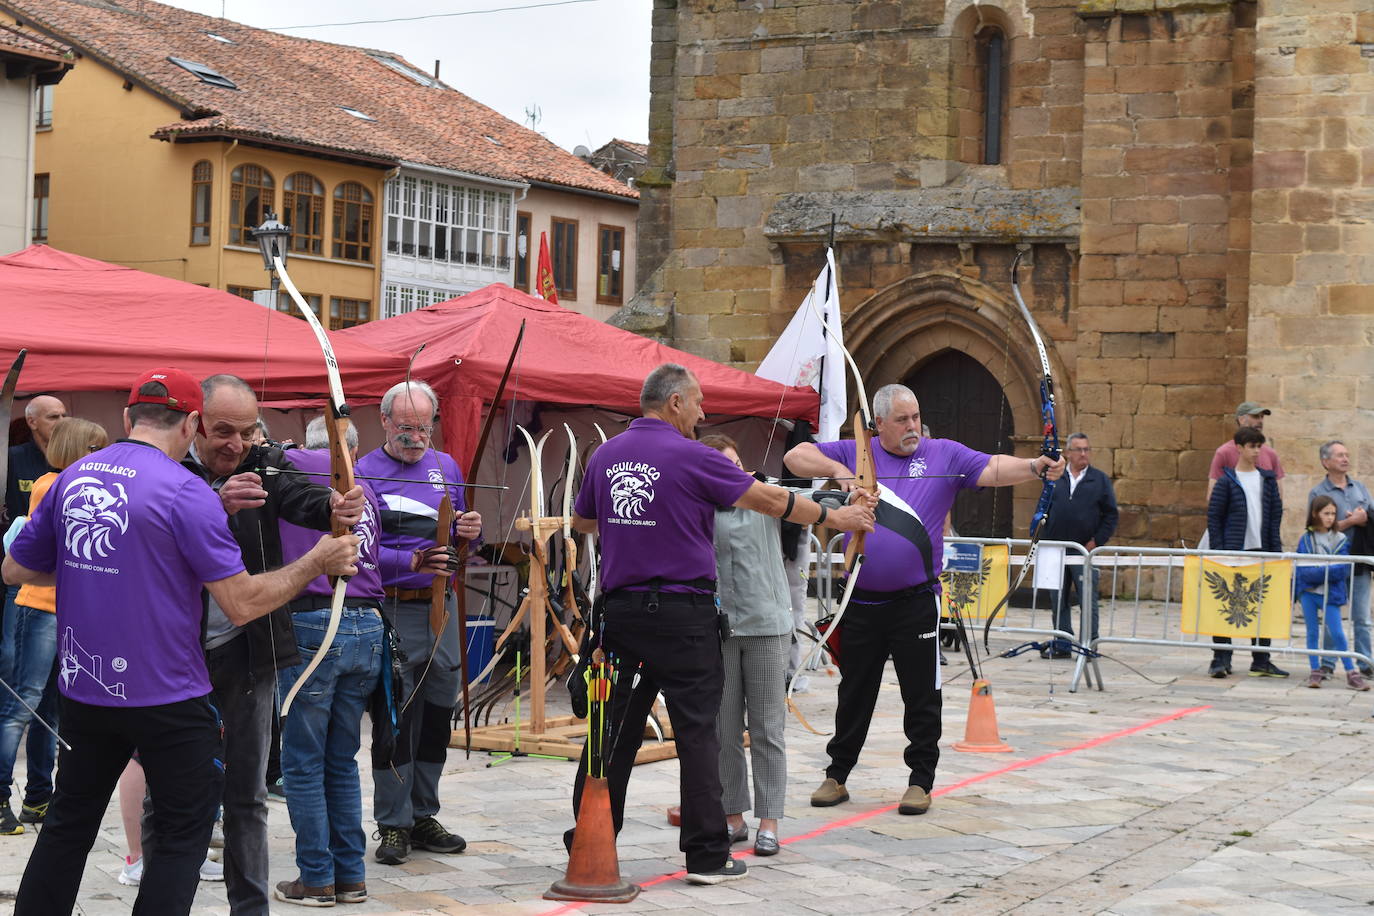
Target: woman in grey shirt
x: 753, y: 592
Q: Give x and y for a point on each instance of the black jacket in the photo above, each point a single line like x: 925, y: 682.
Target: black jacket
x: 1226, y: 515
x: 1088, y: 515
x: 292, y: 498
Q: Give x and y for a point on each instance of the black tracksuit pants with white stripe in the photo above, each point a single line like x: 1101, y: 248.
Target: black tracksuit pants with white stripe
x: 907, y: 630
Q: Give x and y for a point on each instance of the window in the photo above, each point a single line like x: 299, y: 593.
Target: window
x: 357, y: 114
x: 284, y: 303
x: 433, y: 220
x: 522, y: 261
x: 991, y: 66
x: 206, y: 74
x: 42, y: 107
x: 345, y: 313
x: 250, y: 196
x: 423, y: 79
x: 41, y: 189
x: 564, y: 256
x: 397, y: 300
x: 302, y: 203
x: 609, y: 254
x: 202, y: 175
x: 352, y: 222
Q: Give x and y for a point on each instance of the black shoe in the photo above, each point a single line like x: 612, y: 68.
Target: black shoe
x: 430, y: 834
x: 9, y: 824
x: 1218, y: 669
x: 738, y: 835
x: 732, y: 869
x: 276, y: 790
x: 1267, y: 669
x: 33, y: 814
x: 394, y: 847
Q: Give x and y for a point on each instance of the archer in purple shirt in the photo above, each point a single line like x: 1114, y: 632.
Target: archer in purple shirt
x: 893, y: 610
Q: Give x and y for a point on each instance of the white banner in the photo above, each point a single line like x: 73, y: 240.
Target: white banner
x: 808, y: 355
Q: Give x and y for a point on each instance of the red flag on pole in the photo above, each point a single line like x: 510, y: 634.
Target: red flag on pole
x: 544, y: 285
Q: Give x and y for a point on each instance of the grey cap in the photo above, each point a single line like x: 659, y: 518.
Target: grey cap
x: 1250, y: 409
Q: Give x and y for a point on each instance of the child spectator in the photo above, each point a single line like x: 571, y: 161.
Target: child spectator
x: 1322, y: 590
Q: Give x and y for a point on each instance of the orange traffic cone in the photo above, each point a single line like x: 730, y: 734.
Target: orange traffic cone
x: 593, y: 873
x: 980, y: 731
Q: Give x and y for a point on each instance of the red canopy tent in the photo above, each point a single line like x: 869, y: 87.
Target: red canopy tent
x: 93, y: 326
x: 566, y: 359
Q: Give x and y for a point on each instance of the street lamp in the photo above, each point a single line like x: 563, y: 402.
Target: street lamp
x: 271, y: 237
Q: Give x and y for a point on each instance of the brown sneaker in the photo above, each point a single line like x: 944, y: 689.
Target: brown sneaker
x: 830, y: 793
x: 914, y: 801
x: 1356, y: 680
x: 301, y: 895
x: 1315, y: 679
x: 351, y: 893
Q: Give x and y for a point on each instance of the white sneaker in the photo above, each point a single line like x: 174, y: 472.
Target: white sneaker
x: 210, y: 870
x: 802, y: 685
x: 217, y: 836
x: 132, y: 872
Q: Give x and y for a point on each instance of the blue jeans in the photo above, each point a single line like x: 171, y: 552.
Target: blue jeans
x: 1333, y: 637
x: 1063, y: 613
x: 319, y: 744
x: 31, y: 644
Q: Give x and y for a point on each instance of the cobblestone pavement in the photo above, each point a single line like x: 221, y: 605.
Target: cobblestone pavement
x: 1181, y: 795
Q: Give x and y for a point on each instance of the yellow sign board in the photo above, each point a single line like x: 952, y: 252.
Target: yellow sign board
x: 1250, y: 600
x: 975, y: 579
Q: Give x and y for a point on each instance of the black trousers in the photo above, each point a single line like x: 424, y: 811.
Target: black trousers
x: 178, y: 745
x: 907, y: 630
x: 1223, y: 656
x: 675, y: 649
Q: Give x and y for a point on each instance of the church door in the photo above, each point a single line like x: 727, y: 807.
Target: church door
x: 961, y: 400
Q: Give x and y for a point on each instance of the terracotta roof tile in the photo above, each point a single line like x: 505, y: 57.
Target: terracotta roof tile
x: 27, y: 44
x: 293, y: 90
x: 640, y: 148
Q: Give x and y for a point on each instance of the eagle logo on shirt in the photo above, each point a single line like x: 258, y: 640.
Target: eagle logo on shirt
x: 366, y: 530
x: 632, y: 489
x: 917, y: 468
x: 436, y: 478
x: 93, y: 512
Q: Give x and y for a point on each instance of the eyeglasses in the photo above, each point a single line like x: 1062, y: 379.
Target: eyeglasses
x: 415, y: 430
x: 1084, y: 448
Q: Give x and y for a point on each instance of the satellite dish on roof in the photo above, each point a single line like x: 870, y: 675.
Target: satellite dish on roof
x: 581, y: 151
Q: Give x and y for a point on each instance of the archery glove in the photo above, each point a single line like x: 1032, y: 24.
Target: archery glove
x: 430, y: 557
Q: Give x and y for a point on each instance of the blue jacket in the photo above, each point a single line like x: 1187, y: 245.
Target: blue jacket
x: 1226, y: 516
x: 1332, y: 576
x: 1090, y: 514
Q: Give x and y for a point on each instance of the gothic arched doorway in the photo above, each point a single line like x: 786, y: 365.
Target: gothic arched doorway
x: 961, y: 400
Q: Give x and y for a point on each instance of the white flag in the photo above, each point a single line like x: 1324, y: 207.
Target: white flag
x: 808, y: 354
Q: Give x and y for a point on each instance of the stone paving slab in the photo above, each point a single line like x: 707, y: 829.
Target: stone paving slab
x: 1261, y: 804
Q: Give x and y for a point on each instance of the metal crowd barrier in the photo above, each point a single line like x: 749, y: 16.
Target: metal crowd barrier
x: 1130, y: 622
x: 829, y: 557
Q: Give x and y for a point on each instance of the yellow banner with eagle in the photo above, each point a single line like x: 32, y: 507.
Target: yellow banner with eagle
x: 1239, y: 598
x: 975, y: 579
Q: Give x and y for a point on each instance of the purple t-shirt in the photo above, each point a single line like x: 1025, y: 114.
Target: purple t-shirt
x: 410, y: 509
x: 654, y: 495
x: 907, y: 542
x: 296, y: 541
x: 131, y: 536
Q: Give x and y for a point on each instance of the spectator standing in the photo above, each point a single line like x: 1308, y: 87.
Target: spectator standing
x: 1244, y: 513
x: 1321, y: 590
x: 1353, y: 505
x: 1084, y: 511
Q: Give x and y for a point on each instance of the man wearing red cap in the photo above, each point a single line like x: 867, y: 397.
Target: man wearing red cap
x: 130, y: 537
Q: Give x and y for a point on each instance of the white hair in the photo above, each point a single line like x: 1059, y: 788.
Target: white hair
x: 883, y: 398
x: 396, y: 390
x: 317, y: 434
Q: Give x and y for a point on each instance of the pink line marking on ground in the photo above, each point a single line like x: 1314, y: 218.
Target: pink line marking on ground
x: 944, y: 790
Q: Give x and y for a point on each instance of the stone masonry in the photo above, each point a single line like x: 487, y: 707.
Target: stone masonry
x: 1190, y: 182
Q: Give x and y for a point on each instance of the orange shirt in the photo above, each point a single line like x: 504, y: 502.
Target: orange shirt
x: 39, y: 597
